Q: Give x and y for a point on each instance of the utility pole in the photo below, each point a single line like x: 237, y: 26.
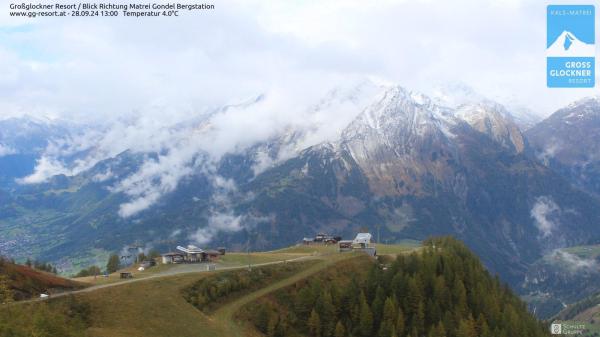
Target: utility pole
x: 378, y: 238
x: 248, y: 252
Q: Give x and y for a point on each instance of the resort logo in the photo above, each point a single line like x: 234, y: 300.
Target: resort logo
x: 567, y: 328
x: 570, y: 46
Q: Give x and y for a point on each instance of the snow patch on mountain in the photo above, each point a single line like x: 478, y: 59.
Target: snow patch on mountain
x: 494, y: 121
x: 412, y: 113
x: 456, y: 94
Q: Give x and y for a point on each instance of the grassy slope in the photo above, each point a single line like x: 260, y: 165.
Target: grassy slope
x: 586, y: 311
x: 28, y: 282
x: 152, y: 308
x: 586, y: 252
x: 229, y: 260
x: 155, y: 307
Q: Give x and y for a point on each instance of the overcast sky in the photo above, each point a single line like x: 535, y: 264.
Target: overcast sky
x: 91, y: 68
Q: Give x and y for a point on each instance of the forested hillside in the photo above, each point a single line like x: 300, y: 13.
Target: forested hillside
x: 441, y: 291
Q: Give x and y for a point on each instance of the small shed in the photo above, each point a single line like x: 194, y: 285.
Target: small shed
x: 148, y: 263
x: 210, y: 255
x: 345, y: 245
x: 126, y: 275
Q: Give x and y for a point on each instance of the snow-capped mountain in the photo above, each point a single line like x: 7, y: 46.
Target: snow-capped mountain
x: 419, y: 169
x: 495, y: 121
x: 399, y: 132
x: 567, y: 44
x: 569, y: 142
x: 456, y: 94
x: 403, y: 161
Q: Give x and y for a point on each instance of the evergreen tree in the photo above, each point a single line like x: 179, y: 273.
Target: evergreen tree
x: 305, y: 303
x: 440, y: 292
x: 459, y: 294
x: 326, y: 311
x: 418, y: 319
x: 440, y: 330
x: 365, y: 324
x: 314, y: 324
x: 377, y: 305
x: 388, y: 321
x: 466, y: 328
x: 400, y: 323
x: 113, y: 264
x: 340, y: 331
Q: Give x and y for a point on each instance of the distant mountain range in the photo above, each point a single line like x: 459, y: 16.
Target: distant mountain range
x: 405, y: 165
x: 568, y: 142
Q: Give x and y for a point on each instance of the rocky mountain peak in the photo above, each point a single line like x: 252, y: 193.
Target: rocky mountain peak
x: 402, y: 113
x: 493, y: 120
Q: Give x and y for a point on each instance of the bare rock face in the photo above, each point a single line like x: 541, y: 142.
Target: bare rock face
x: 401, y: 140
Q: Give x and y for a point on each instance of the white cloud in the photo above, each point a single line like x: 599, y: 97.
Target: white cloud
x: 46, y: 167
x: 104, y: 176
x: 153, y: 97
x: 220, y: 222
x: 222, y: 216
x: 544, y: 213
x: 108, y: 67
x: 572, y: 262
x: 196, y: 143
x: 155, y: 178
x: 6, y: 150
x: 175, y: 233
x: 551, y: 147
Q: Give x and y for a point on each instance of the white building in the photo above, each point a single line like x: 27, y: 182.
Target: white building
x: 192, y: 253
x: 362, y: 242
x: 362, y: 239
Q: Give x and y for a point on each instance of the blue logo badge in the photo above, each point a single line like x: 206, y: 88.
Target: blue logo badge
x: 570, y: 46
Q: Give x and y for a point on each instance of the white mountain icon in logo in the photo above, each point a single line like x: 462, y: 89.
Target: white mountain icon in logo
x: 567, y: 44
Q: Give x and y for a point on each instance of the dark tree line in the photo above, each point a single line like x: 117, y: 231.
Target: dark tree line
x: 39, y: 265
x: 441, y: 291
